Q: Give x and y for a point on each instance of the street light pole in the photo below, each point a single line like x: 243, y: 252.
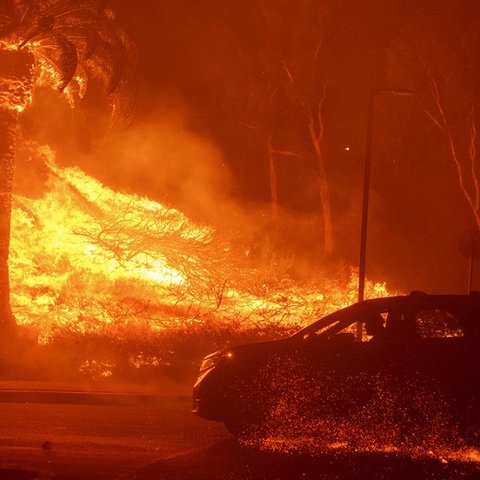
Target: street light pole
x: 366, y: 179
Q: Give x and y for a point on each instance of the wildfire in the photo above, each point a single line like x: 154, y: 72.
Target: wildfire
x: 89, y: 259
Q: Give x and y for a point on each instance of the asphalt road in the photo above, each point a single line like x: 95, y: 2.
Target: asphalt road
x: 228, y: 460
x: 98, y: 437
x: 124, y: 437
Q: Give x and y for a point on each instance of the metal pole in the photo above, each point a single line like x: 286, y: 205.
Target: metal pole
x: 471, y: 262
x: 365, y: 200
x: 366, y: 180
x: 366, y: 189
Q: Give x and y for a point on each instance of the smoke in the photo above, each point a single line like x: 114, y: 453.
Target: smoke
x: 165, y: 161
x: 160, y: 156
x: 164, y: 158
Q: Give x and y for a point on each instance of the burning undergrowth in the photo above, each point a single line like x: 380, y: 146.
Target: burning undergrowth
x: 95, y: 270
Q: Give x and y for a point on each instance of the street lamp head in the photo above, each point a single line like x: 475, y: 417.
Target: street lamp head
x: 401, y: 92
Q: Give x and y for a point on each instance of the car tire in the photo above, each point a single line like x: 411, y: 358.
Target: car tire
x: 245, y: 415
x: 241, y: 428
x: 470, y: 423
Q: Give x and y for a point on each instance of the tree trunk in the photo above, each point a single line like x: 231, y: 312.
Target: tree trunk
x: 16, y: 78
x: 8, y: 122
x: 327, y: 214
x: 322, y: 185
x: 272, y: 171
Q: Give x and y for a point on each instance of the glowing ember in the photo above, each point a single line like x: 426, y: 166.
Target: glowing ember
x: 89, y: 259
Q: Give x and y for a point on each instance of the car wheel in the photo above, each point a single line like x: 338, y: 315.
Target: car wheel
x: 470, y: 424
x: 241, y: 428
x: 245, y: 417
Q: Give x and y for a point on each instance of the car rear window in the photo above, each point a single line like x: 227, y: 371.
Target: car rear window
x: 439, y: 324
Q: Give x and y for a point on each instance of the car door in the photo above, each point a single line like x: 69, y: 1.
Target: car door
x: 348, y: 375
x: 384, y: 376
x: 444, y: 363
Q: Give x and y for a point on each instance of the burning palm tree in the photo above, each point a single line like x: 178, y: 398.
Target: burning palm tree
x: 63, y: 43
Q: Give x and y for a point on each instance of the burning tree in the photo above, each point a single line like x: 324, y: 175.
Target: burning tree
x: 61, y: 43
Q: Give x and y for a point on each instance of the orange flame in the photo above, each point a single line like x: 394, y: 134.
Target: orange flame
x: 86, y: 258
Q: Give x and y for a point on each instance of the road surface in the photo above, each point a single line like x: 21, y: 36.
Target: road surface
x: 124, y: 437
x: 97, y: 436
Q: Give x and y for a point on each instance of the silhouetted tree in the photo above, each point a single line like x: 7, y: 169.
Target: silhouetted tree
x: 284, y: 84
x: 309, y: 72
x: 440, y: 60
x: 62, y: 43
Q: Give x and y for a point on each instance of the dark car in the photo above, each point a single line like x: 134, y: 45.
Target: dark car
x: 398, y: 362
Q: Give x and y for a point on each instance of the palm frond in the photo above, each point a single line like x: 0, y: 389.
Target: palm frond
x: 68, y: 8
x: 106, y: 65
x: 85, y: 39
x: 75, y: 36
x: 61, y: 54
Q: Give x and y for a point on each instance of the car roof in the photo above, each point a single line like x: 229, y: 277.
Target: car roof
x: 415, y: 301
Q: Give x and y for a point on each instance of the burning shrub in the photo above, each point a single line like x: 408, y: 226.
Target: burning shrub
x: 87, y: 261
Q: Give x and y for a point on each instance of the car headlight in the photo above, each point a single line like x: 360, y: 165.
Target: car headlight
x: 212, y: 360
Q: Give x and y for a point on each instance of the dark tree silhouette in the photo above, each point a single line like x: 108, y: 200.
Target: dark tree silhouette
x: 63, y: 43
x: 440, y: 60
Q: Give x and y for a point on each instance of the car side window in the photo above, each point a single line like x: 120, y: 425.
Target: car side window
x: 439, y: 324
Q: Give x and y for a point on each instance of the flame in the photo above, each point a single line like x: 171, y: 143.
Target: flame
x: 24, y: 67
x: 89, y: 259
x: 15, y: 77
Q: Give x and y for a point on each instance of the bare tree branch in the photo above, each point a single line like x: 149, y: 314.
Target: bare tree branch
x: 472, y: 151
